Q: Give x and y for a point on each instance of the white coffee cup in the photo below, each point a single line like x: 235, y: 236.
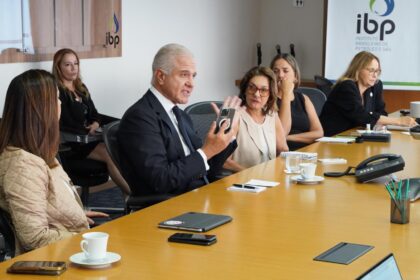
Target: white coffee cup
x: 94, y: 245
x: 307, y: 170
x: 415, y: 109
x: 292, y: 163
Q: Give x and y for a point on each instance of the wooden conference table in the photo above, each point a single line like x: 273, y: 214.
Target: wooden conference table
x: 274, y: 234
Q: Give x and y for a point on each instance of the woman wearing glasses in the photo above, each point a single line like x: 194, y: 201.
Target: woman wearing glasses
x: 296, y: 111
x: 260, y: 136
x: 356, y: 99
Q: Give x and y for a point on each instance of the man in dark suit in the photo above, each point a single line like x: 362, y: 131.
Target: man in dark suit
x: 159, y: 151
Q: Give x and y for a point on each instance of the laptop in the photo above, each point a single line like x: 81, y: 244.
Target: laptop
x: 386, y: 269
x: 197, y: 222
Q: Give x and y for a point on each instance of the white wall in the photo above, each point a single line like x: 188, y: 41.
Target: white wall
x: 222, y: 34
x: 219, y: 33
x: 283, y: 24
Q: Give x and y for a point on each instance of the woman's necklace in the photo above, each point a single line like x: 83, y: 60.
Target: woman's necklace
x: 77, y: 97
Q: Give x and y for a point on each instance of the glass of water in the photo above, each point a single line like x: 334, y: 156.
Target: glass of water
x: 292, y: 163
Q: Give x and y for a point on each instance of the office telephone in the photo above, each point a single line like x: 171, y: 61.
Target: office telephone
x: 373, y: 167
x: 377, y: 166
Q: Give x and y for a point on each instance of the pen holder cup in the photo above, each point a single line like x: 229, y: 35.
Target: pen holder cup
x: 400, y: 211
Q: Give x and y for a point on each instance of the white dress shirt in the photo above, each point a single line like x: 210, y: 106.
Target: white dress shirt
x: 168, y: 106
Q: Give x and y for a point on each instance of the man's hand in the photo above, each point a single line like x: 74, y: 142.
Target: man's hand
x: 217, y: 142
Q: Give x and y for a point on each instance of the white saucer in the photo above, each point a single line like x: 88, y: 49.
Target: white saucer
x: 301, y: 180
x: 80, y: 259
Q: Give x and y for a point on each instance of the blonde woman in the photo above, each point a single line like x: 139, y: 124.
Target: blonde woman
x: 356, y: 99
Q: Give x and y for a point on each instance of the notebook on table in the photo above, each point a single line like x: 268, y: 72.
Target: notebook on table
x: 385, y: 269
x: 197, y: 222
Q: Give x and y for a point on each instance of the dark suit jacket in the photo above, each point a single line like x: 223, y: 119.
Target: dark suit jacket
x: 151, y: 153
x: 344, y: 109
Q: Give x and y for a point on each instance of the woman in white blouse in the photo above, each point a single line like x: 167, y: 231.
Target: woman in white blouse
x: 260, y: 136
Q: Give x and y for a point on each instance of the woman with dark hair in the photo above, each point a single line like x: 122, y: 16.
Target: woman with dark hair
x: 356, y: 98
x: 260, y: 136
x: 296, y: 111
x: 79, y: 114
x: 34, y: 189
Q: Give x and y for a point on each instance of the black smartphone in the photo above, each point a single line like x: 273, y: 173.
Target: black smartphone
x: 38, y: 267
x: 193, y: 238
x: 226, y: 115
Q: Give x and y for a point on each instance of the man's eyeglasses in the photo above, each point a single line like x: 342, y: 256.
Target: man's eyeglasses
x: 252, y: 89
x: 374, y: 71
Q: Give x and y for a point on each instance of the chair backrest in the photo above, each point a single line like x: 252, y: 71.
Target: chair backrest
x: 202, y: 107
x: 323, y: 84
x: 317, y: 97
x: 110, y: 139
x: 202, y: 115
x: 111, y: 142
x: 7, y: 237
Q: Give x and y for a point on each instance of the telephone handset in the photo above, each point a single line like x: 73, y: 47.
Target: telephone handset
x: 377, y: 166
x: 373, y: 167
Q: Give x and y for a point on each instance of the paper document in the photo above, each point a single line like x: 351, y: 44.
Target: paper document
x: 373, y: 131
x: 262, y: 183
x: 332, y: 160
x: 303, y: 155
x: 336, y: 139
x: 246, y: 189
x: 398, y: 127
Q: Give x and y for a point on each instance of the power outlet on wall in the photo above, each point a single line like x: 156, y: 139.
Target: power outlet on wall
x: 298, y: 3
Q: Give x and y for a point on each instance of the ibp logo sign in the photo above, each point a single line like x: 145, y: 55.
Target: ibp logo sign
x: 381, y: 8
x: 111, y: 39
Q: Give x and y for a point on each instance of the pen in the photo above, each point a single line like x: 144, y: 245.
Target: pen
x: 244, y: 186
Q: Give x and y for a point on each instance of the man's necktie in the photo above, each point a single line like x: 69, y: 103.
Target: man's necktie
x: 183, y: 131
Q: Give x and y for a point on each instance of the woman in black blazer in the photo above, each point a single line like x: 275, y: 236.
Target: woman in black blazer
x: 78, y: 113
x: 356, y: 99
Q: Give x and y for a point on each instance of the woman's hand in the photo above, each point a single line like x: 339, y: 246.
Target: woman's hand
x: 286, y: 90
x: 407, y: 121
x: 94, y: 214
x: 93, y: 127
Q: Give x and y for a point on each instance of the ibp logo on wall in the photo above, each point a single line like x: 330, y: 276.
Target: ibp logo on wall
x: 114, y: 25
x: 381, y: 8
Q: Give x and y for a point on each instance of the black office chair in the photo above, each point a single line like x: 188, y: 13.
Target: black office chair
x: 323, y: 84
x: 133, y: 203
x: 202, y: 115
x: 317, y: 97
x: 85, y: 173
x: 7, y: 237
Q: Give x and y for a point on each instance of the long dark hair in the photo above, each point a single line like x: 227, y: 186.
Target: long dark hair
x: 30, y: 115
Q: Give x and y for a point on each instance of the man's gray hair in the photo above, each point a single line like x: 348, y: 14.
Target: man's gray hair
x: 165, y: 57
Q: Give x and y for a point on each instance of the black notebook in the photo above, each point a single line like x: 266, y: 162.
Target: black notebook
x: 343, y: 253
x: 193, y: 221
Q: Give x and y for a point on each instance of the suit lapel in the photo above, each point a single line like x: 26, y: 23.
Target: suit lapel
x: 164, y: 119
